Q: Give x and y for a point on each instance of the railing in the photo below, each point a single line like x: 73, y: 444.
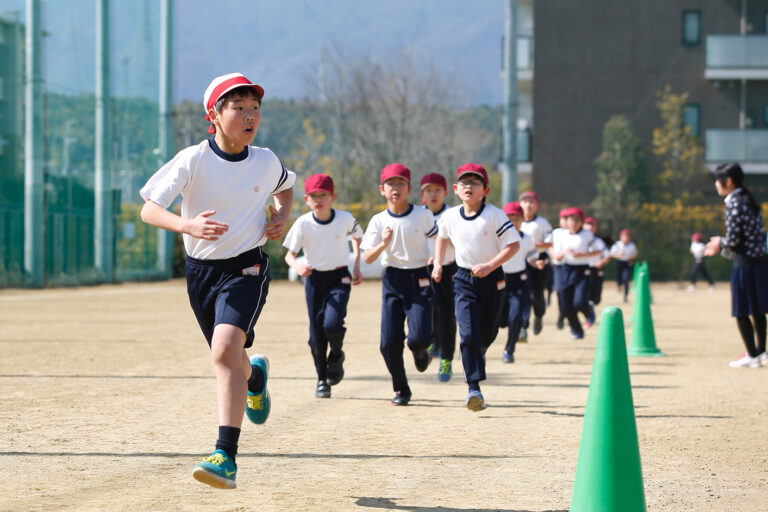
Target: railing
x: 736, y: 146
x: 737, y: 52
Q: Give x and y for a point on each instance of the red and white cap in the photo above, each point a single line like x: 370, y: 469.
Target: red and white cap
x: 513, y: 208
x: 220, y: 86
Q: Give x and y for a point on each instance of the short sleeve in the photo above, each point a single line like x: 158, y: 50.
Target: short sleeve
x: 505, y: 230
x: 293, y: 240
x: 372, y: 235
x: 442, y: 227
x: 286, y: 180
x: 169, y: 181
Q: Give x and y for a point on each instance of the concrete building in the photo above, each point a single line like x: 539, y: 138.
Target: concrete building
x: 598, y: 58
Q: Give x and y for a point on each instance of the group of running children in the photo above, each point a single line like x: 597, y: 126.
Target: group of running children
x: 474, y: 264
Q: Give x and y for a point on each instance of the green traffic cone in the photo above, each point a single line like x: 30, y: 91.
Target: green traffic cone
x: 608, y: 473
x: 643, y: 340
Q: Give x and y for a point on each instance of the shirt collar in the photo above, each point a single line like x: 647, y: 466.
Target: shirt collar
x: 730, y: 195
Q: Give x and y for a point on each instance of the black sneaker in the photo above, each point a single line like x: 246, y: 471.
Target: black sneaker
x: 335, y: 369
x: 422, y: 359
x: 536, y: 325
x: 323, y: 390
x: 560, y: 322
x: 401, y: 398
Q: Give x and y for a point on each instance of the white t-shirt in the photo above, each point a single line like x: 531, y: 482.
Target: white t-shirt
x: 627, y: 251
x: 239, y: 191
x: 410, y: 231
x: 577, y: 242
x: 697, y: 249
x: 325, y: 243
x: 555, y: 238
x: 597, y: 245
x: 477, y: 239
x: 449, y: 257
x: 539, y: 229
x: 526, y: 252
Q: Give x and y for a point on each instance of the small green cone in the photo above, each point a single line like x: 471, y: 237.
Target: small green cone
x: 608, y: 473
x: 643, y: 340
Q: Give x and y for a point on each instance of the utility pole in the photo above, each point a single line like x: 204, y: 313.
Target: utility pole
x: 103, y: 215
x: 34, y: 213
x: 165, y: 107
x: 509, y: 122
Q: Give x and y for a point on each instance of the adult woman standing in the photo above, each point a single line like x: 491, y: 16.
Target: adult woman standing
x: 744, y: 242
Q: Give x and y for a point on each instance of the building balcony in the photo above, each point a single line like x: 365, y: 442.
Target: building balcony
x: 747, y: 147
x: 737, y: 57
x: 525, y: 58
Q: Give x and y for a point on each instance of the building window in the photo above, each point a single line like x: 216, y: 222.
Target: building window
x: 691, y: 28
x: 765, y: 115
x: 692, y: 118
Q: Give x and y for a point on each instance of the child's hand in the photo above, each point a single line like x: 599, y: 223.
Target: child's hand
x: 386, y: 236
x: 357, y: 277
x: 204, y: 227
x: 713, y: 246
x: 275, y: 228
x: 541, y: 264
x: 437, y: 273
x: 481, y: 270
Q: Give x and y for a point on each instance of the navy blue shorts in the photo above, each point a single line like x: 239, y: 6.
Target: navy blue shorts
x: 229, y: 291
x: 749, y: 289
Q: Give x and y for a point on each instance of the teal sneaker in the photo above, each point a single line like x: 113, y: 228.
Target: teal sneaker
x: 446, y: 371
x: 258, y: 405
x: 217, y: 470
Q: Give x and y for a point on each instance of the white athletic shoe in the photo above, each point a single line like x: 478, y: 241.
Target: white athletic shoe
x: 763, y: 358
x: 746, y: 361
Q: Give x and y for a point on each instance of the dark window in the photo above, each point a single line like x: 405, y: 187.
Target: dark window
x: 765, y: 115
x: 691, y: 28
x: 692, y: 117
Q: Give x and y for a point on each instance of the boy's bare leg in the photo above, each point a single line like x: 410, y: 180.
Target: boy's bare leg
x: 232, y: 368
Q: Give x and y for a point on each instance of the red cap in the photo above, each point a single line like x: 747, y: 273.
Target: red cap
x: 513, y: 208
x: 590, y: 220
x: 529, y: 193
x: 433, y: 178
x: 220, y: 86
x: 470, y: 168
x: 564, y: 212
x: 696, y: 237
x: 318, y: 182
x: 395, y: 171
x: 575, y: 212
x: 625, y: 232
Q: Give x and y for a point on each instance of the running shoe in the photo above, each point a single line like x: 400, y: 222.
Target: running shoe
x: 421, y: 359
x: 536, y: 325
x: 401, y: 398
x: 763, y: 358
x: 746, y: 361
x: 258, y: 405
x: 446, y: 370
x: 433, y: 350
x: 475, y: 401
x: 217, y: 470
x: 523, y: 336
x: 335, y: 368
x: 323, y: 390
x: 507, y: 357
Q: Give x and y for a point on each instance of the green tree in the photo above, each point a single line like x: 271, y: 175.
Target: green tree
x: 683, y: 175
x: 622, y: 184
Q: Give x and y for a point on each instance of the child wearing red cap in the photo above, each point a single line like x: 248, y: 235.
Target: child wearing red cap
x: 399, y: 235
x: 434, y: 190
x: 226, y: 186
x: 599, y: 256
x: 483, y: 239
x: 557, y: 265
x: 324, y: 234
x: 516, y: 272
x: 624, y: 251
x: 539, y: 229
x: 572, y: 249
x: 697, y: 250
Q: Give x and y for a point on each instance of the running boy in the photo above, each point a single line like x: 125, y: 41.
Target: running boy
x: 538, y: 228
x: 624, y: 252
x: 599, y: 256
x: 226, y: 185
x: 399, y: 234
x: 699, y: 267
x: 323, y: 233
x: 434, y: 190
x: 517, y: 270
x: 483, y: 239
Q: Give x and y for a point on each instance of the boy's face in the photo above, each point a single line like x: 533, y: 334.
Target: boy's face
x: 590, y: 227
x: 573, y: 223
x: 395, y: 191
x: 530, y: 207
x: 624, y: 237
x: 434, y: 196
x: 237, y: 122
x: 516, y: 220
x: 471, y: 189
x: 563, y: 223
x: 320, y: 201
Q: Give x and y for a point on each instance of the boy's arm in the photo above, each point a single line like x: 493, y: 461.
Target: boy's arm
x: 437, y: 269
x: 370, y: 255
x: 483, y: 269
x: 357, y: 277
x: 202, y: 226
x: 275, y: 228
x: 303, y: 269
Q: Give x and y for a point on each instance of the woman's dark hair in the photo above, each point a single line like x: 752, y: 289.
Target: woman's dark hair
x: 733, y: 170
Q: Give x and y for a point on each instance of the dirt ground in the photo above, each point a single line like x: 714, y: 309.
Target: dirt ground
x: 107, y: 401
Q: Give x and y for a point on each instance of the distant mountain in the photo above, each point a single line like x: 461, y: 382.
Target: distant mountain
x: 274, y: 42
